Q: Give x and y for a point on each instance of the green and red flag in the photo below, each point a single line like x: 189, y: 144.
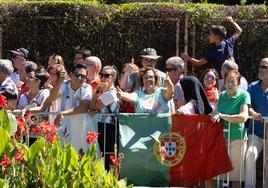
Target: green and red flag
x: 175, y: 150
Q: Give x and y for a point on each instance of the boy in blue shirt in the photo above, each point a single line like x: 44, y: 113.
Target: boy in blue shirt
x: 222, y: 49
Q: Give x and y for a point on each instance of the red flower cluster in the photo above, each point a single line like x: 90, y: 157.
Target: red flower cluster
x: 3, y: 102
x: 115, y: 161
x: 22, y: 127
x: 6, y: 162
x: 48, y: 130
x: 19, y: 155
x: 92, y: 137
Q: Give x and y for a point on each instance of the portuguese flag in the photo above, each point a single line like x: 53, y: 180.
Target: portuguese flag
x: 177, y: 150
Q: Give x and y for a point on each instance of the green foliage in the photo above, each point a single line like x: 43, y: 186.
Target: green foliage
x: 116, y: 32
x: 48, y: 165
x: 4, y: 140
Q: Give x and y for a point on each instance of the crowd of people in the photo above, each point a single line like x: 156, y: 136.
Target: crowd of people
x: 221, y: 92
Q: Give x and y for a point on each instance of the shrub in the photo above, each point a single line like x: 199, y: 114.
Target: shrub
x: 116, y: 32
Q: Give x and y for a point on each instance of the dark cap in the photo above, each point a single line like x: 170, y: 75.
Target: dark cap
x: 21, y: 52
x: 149, y: 53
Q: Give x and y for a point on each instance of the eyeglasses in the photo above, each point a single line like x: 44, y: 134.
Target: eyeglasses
x: 104, y: 75
x: 79, y: 75
x: 149, y: 60
x: 170, y: 69
x: 231, y: 80
x: 210, y: 77
x: 263, y: 67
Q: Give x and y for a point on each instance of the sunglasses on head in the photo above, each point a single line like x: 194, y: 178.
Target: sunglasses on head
x: 170, y: 69
x: 104, y: 75
x: 263, y: 67
x: 79, y: 75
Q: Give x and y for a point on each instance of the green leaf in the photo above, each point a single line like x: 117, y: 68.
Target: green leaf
x: 92, y: 151
x: 36, y: 148
x: 4, y: 119
x: 73, y: 159
x: 4, y: 183
x: 4, y: 139
x: 56, y: 149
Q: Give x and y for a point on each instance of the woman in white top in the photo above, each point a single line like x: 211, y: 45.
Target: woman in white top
x: 105, y: 101
x: 36, y: 95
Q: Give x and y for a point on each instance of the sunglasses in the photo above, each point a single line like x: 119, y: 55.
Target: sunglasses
x: 78, y: 75
x: 104, y: 75
x: 263, y: 67
x: 170, y: 69
x: 210, y: 77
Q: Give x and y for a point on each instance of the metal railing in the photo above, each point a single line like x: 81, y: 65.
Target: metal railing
x: 220, y: 182
x: 226, y: 181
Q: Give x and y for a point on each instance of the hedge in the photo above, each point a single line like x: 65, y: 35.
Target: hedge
x: 116, y: 32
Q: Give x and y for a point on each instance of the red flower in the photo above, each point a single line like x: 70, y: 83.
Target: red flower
x: 19, y: 155
x: 115, y: 161
x: 21, y: 122
x: 92, y: 137
x: 6, y: 162
x: 37, y: 129
x: 3, y: 102
x: 48, y: 130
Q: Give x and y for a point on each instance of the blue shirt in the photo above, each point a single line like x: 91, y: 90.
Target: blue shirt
x: 259, y: 102
x: 218, y: 54
x: 150, y: 103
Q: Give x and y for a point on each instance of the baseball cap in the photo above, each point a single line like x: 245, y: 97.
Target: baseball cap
x: 21, y: 52
x: 149, y: 53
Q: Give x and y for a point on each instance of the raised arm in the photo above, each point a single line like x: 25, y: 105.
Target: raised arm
x: 238, y: 29
x: 169, y: 90
x: 194, y: 61
x: 129, y: 97
x: 125, y: 82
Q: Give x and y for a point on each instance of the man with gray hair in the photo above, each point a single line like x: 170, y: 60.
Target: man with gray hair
x: 6, y: 82
x: 175, y: 70
x: 227, y: 66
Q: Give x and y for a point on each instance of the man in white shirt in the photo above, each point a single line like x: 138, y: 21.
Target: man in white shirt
x: 73, y: 97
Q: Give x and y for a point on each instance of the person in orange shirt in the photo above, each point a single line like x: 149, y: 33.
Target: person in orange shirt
x: 93, y: 65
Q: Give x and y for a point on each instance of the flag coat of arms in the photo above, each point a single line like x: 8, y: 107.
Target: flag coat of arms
x: 175, y: 150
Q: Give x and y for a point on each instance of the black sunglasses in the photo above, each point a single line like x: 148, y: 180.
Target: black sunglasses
x: 171, y: 69
x: 78, y: 75
x: 104, y: 75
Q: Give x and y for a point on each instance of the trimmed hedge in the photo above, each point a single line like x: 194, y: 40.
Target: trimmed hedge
x: 116, y: 32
